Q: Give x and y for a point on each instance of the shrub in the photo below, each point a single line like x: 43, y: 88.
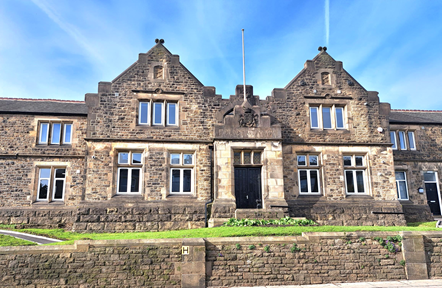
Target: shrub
x: 285, y: 221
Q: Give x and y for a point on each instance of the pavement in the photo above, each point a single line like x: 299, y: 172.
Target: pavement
x: 434, y: 283
x: 29, y: 237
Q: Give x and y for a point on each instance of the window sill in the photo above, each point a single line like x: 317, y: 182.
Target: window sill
x: 46, y: 203
x: 146, y: 126
x: 358, y: 196
x: 181, y: 195
x: 327, y: 131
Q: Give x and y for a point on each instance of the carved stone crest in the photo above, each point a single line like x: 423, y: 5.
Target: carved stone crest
x: 248, y: 119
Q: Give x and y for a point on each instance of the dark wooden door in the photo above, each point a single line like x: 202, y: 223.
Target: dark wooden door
x: 248, y: 187
x: 432, y: 198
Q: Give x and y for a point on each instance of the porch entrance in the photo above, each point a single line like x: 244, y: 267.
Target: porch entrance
x: 248, y: 187
x: 431, y: 188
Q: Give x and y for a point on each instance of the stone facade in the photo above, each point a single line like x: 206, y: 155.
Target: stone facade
x: 155, y: 146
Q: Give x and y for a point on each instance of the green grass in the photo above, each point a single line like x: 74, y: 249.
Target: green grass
x: 431, y: 224
x: 222, y: 232
x: 12, y: 241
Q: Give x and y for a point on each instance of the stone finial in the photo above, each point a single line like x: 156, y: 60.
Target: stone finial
x: 159, y: 41
x: 320, y: 48
x: 324, y: 48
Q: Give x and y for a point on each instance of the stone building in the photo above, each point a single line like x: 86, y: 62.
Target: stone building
x: 155, y: 147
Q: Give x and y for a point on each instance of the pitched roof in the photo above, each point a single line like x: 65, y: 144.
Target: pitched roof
x: 42, y: 106
x: 399, y: 116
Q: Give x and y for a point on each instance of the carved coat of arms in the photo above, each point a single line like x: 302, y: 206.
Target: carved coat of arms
x: 248, y: 119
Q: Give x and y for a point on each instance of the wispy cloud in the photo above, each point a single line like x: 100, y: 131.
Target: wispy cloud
x: 71, y: 30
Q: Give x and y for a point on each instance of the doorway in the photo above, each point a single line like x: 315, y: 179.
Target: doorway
x: 432, y: 190
x: 248, y: 187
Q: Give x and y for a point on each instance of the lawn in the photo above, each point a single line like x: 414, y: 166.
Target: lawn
x: 70, y: 237
x: 12, y: 241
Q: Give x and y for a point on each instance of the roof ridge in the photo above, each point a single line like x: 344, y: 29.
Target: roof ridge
x: 414, y: 110
x: 37, y: 99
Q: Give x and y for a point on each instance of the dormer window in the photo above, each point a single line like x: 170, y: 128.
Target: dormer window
x: 158, y: 72
x: 325, y: 78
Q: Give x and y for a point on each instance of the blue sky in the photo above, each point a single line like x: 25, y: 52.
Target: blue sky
x: 62, y: 48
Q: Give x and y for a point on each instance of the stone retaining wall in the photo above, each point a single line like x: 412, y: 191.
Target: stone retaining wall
x: 223, y: 262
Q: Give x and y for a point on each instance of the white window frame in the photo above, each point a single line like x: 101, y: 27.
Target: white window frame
x: 397, y: 186
x: 51, y: 184
x: 130, y: 165
x: 401, y: 132
x: 309, y: 188
x: 154, y: 113
x: 414, y: 140
x: 333, y: 116
x: 148, y: 103
x: 168, y: 113
x: 64, y: 133
x: 129, y: 180
x: 308, y: 167
x: 47, y: 124
x: 182, y: 167
x: 393, y: 140
x: 353, y: 168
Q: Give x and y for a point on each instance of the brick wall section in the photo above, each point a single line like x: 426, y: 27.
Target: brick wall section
x: 19, y: 134
x: 433, y: 251
x: 43, y: 217
x: 319, y: 261
x: 321, y: 258
x: 116, y: 117
x: 19, y: 180
x: 114, y: 265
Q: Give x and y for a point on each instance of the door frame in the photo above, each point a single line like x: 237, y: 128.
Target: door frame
x: 437, y: 187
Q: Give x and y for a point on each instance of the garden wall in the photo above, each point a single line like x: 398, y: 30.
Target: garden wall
x: 224, y: 262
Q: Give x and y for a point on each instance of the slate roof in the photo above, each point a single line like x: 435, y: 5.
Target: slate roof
x: 398, y: 116
x: 42, y: 106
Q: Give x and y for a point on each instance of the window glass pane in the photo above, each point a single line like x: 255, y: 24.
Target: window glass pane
x: 56, y: 128
x: 123, y: 158
x: 135, y: 181
x: 256, y: 157
x: 360, y: 181
x: 144, y: 113
x: 187, y: 180
x: 175, y: 159
x: 326, y: 118
x: 428, y: 176
x: 43, y: 192
x: 188, y: 159
x: 58, y: 189
x: 359, y: 160
x: 122, y: 181
x: 176, y: 180
x: 301, y: 160
x: 237, y: 158
x: 339, y: 117
x: 313, y: 160
x: 400, y: 175
x: 45, y: 173
x: 314, y: 181
x: 347, y: 160
x: 247, y: 158
x: 349, y: 181
x: 67, y: 133
x: 60, y: 173
x: 157, y: 113
x: 411, y: 140
x: 393, y: 139
x: 402, y: 190
x: 136, y: 158
x: 171, y: 113
x: 402, y: 140
x: 43, y: 133
x: 314, y: 117
x: 303, y: 181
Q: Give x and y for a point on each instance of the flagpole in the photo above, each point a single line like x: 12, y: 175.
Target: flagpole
x: 243, y: 67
